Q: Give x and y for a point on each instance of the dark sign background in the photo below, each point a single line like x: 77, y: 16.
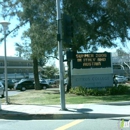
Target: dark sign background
x: 88, y: 62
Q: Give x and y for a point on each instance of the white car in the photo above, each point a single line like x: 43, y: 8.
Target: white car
x: 1, y: 90
x: 121, y: 79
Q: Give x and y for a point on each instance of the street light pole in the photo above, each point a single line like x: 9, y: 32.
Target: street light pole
x: 5, y: 26
x: 59, y: 38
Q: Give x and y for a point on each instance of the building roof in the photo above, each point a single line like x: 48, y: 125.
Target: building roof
x: 10, y: 58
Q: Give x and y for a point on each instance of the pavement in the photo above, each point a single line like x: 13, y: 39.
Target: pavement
x: 71, y: 111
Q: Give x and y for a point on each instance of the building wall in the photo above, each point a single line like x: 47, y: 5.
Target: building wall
x: 16, y: 66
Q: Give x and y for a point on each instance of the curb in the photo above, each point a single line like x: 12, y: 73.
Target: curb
x: 117, y: 103
x: 14, y: 116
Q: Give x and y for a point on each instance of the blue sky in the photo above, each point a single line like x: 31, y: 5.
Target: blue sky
x: 10, y: 41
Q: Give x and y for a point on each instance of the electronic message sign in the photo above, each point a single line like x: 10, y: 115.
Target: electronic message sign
x: 91, y: 60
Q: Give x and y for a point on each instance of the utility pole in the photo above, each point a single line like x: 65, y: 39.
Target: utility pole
x: 5, y: 27
x: 59, y: 39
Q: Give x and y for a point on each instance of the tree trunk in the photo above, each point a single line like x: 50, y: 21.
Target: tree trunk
x: 69, y: 76
x: 36, y: 75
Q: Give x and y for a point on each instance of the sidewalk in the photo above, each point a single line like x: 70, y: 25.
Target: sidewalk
x: 76, y: 111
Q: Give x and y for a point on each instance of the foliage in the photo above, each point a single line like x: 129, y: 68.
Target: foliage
x: 120, y: 90
x: 98, y: 22
x: 23, y: 50
x: 50, y: 71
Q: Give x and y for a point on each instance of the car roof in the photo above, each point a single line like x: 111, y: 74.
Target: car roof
x: 23, y: 80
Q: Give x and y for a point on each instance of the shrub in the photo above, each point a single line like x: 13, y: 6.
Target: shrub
x: 121, y: 89
x: 78, y: 90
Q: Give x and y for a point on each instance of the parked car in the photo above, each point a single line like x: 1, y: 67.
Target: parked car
x: 24, y: 84
x: 2, y: 90
x: 121, y: 79
x: 10, y: 83
x: 44, y: 84
x: 51, y: 81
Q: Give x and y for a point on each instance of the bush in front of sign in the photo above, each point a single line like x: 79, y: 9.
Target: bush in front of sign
x: 120, y: 90
x: 87, y: 91
x: 78, y: 90
x: 96, y: 92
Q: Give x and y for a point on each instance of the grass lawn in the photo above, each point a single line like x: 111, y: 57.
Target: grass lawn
x: 45, y: 97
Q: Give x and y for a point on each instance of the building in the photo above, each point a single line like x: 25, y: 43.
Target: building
x: 17, y: 67
x: 121, y: 65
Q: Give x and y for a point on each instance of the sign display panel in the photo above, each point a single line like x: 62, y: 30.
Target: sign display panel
x: 91, y: 60
x: 92, y: 81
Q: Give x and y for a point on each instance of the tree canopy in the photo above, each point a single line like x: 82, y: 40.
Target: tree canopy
x: 98, y: 22
x: 50, y: 72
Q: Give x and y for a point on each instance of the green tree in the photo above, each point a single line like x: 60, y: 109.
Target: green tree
x: 40, y: 16
x: 50, y: 71
x: 23, y: 50
x: 19, y: 49
x: 98, y: 22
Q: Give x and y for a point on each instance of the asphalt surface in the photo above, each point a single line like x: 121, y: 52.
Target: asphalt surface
x: 75, y: 111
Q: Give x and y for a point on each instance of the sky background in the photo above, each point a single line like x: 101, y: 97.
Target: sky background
x: 10, y: 40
